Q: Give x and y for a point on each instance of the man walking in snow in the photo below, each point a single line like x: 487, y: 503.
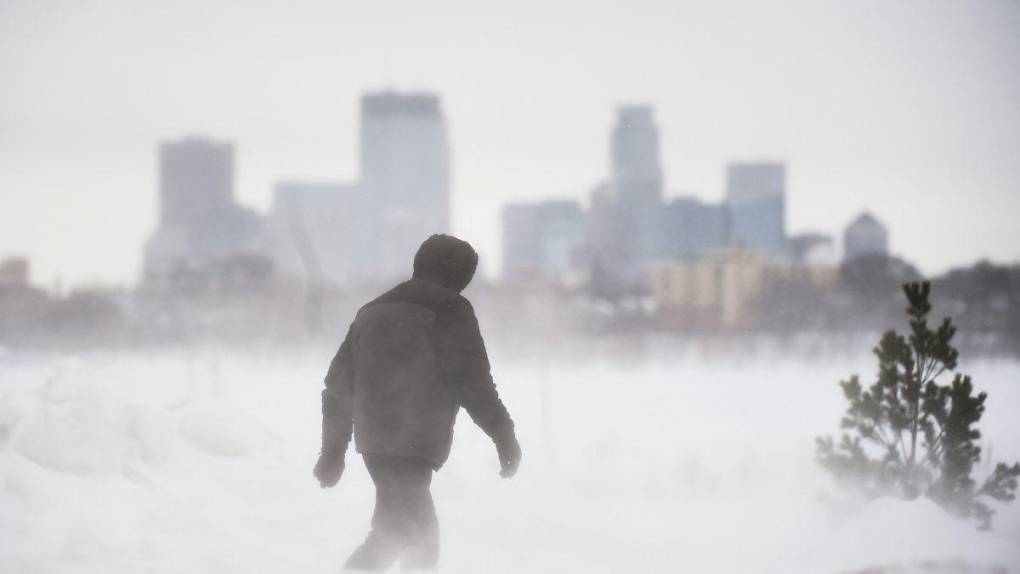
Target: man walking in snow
x: 411, y: 359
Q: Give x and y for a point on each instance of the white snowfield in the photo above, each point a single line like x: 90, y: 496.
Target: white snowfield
x: 201, y: 462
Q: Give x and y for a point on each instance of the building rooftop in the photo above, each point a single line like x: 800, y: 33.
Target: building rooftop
x: 635, y: 114
x: 866, y: 219
x: 392, y: 102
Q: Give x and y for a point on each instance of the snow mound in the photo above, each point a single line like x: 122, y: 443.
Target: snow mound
x: 73, y: 425
x: 220, y: 433
x: 906, y: 536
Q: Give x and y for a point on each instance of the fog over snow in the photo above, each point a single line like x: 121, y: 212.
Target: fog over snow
x: 201, y: 461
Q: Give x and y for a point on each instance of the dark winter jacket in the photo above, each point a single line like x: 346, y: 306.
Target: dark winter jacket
x: 411, y: 359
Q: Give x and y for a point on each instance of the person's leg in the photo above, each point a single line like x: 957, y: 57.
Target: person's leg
x: 423, y: 552
x: 387, y: 537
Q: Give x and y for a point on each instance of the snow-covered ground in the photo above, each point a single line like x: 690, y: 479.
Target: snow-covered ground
x: 201, y: 462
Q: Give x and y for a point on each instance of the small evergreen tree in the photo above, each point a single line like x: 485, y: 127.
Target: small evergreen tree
x: 907, y: 435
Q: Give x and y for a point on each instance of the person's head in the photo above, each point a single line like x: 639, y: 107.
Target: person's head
x: 447, y: 261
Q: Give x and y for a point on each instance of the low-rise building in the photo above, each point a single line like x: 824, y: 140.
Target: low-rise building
x: 724, y: 287
x: 713, y: 290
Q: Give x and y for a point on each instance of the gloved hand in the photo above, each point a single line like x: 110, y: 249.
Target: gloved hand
x: 509, y: 451
x: 329, y: 468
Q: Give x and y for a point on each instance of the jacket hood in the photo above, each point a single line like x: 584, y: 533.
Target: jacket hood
x: 447, y: 261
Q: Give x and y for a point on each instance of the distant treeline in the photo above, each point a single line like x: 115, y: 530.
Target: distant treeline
x: 983, y: 300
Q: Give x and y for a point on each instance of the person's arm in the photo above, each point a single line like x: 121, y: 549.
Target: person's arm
x: 468, y: 369
x: 337, y: 419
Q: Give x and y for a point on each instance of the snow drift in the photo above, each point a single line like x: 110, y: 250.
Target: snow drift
x: 201, y: 462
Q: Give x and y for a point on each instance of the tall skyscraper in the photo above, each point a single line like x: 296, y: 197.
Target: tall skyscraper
x: 756, y: 198
x: 865, y: 234
x: 634, y: 154
x: 200, y: 224
x: 196, y: 180
x: 405, y: 174
x: 625, y: 234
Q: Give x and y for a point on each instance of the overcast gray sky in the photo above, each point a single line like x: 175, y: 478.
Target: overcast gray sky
x: 909, y: 108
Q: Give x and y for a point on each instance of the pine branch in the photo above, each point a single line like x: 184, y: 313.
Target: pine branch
x: 903, y: 447
x: 1001, y: 484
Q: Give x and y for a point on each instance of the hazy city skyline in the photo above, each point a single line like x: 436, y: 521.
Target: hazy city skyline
x: 871, y: 105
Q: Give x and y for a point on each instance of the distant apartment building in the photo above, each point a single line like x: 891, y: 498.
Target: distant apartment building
x: 320, y: 232
x: 405, y: 175
x: 724, y: 288
x: 714, y: 290
x: 821, y: 276
x: 864, y: 235
x: 756, y: 198
x: 542, y: 241
x: 200, y: 223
